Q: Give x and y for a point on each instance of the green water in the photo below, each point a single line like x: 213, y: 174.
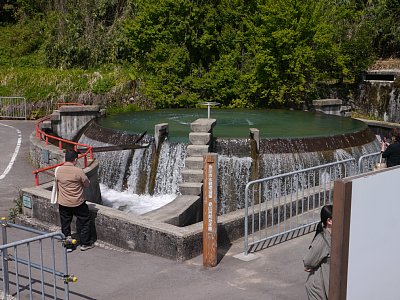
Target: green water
x: 235, y: 123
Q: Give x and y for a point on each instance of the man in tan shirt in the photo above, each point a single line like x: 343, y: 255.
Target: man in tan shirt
x: 71, y: 202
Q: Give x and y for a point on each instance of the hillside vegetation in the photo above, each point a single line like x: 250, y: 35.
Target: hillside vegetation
x: 175, y: 53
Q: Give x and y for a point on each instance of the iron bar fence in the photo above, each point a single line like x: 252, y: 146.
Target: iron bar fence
x: 279, y: 205
x: 13, y: 107
x: 31, y: 267
x: 20, y: 108
x: 368, y: 161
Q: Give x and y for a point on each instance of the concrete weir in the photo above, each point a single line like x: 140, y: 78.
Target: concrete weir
x: 161, y: 232
x: 175, y: 230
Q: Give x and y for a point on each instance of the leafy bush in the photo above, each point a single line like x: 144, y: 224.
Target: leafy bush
x: 103, y: 85
x: 241, y: 53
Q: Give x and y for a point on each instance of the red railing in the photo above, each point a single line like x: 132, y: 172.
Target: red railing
x: 41, y: 135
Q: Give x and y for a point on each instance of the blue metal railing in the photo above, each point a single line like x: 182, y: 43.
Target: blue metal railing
x: 20, y: 255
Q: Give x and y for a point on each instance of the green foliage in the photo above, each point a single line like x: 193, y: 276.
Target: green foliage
x: 385, y: 27
x: 38, y: 84
x: 254, y: 52
x: 21, y: 44
x: 85, y: 33
x: 103, y: 85
x: 16, y: 209
x: 241, y: 53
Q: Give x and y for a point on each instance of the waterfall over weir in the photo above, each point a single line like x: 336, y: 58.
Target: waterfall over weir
x: 130, y: 169
x: 235, y: 172
x: 128, y: 172
x: 132, y: 172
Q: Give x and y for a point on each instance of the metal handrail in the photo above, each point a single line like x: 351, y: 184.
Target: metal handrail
x: 271, y: 178
x: 40, y: 266
x: 15, y: 112
x: 363, y: 157
x: 41, y: 135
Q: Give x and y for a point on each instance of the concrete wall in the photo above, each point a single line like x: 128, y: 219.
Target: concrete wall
x: 69, y: 120
x: 143, y: 234
x: 132, y: 232
x: 119, y: 228
x: 332, y: 107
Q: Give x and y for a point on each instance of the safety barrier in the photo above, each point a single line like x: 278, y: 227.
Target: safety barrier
x: 29, y: 272
x: 368, y: 161
x: 13, y: 108
x: 41, y: 135
x: 279, y: 205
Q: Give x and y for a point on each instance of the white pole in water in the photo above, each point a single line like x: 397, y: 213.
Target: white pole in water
x: 209, y: 104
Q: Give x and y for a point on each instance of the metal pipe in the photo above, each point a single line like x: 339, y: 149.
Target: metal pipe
x: 32, y: 239
x: 4, y: 260
x: 36, y: 266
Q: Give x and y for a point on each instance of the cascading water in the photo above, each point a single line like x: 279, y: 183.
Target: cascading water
x: 234, y: 171
x: 394, y: 105
x: 124, y: 175
x: 113, y: 164
x: 139, y: 171
x: 288, y: 141
x: 170, y: 165
x: 233, y: 174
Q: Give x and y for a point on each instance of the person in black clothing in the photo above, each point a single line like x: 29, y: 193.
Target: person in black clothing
x: 392, y: 152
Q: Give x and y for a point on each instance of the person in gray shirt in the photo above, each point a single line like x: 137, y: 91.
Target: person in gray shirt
x: 318, y: 258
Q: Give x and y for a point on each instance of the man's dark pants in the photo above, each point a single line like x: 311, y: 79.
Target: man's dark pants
x: 82, y: 221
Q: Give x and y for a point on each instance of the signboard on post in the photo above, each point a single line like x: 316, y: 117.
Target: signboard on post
x: 210, y: 166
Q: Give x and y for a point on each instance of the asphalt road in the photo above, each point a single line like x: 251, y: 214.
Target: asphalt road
x: 15, y: 168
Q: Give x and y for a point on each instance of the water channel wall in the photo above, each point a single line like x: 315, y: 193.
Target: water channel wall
x: 69, y: 120
x: 378, y: 95
x: 143, y: 234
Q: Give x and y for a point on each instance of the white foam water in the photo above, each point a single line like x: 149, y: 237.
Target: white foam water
x: 133, y: 203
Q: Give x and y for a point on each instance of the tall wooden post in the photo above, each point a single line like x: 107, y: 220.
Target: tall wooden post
x: 210, y: 166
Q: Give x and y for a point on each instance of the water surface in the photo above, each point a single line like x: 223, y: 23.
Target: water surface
x: 235, y: 123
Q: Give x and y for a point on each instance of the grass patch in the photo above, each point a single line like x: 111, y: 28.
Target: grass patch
x: 114, y: 110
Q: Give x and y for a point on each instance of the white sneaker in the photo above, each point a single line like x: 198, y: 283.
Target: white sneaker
x: 87, y: 247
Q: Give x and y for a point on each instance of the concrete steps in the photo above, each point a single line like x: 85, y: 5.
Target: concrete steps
x: 203, y: 125
x: 199, y: 145
x: 199, y: 138
x: 191, y: 188
x: 194, y: 162
x: 192, y: 175
x: 197, y: 150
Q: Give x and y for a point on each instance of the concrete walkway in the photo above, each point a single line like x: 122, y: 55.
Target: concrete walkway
x: 110, y: 273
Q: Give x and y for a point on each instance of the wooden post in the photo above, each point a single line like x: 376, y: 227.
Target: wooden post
x: 210, y: 166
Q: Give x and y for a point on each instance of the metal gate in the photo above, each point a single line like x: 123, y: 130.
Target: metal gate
x: 279, y: 205
x: 30, y: 266
x: 13, y: 108
x: 367, y: 162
